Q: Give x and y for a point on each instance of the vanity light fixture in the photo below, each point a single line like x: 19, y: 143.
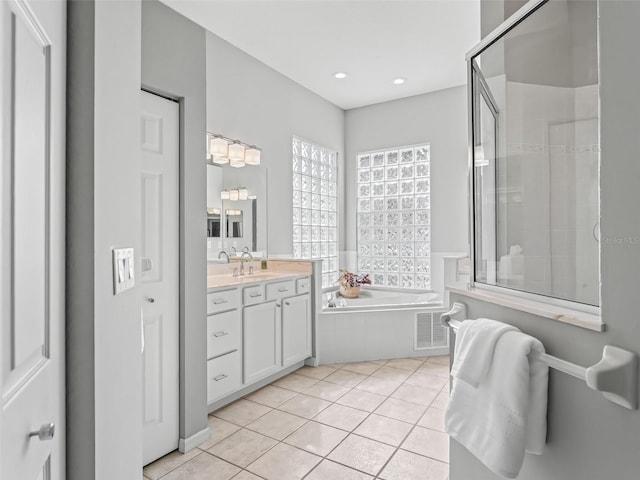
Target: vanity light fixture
x: 226, y: 150
x: 218, y: 146
x: 213, y: 211
x: 252, y: 155
x: 235, y: 194
x: 236, y: 152
x: 399, y: 81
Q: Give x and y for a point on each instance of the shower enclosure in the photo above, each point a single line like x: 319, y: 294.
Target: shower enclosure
x: 534, y: 148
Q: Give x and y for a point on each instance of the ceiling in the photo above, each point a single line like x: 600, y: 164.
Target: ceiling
x: 374, y: 41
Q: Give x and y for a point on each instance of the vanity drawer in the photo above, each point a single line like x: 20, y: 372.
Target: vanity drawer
x: 303, y: 285
x: 254, y: 294
x: 278, y: 290
x: 223, y: 333
x: 224, y: 300
x: 223, y: 375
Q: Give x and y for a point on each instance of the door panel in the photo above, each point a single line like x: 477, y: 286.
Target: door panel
x: 296, y: 329
x: 153, y: 372
x: 32, y: 87
x: 152, y: 225
x: 262, y: 341
x: 159, y: 280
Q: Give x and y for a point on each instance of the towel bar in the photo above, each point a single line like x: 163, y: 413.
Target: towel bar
x: 615, y: 375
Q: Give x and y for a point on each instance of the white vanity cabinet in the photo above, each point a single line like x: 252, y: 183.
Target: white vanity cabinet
x: 255, y: 331
x: 224, y: 334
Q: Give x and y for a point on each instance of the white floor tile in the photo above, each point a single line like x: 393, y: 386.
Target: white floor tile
x: 409, y: 466
x: 242, y: 447
x: 316, y: 438
x: 362, y: 454
x: 284, y: 462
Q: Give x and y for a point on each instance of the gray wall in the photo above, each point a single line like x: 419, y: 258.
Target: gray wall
x: 104, y: 369
x: 589, y: 437
x: 173, y: 63
x: 252, y: 102
x: 438, y: 118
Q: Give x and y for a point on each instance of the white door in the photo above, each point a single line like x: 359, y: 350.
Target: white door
x: 159, y: 278
x: 32, y: 140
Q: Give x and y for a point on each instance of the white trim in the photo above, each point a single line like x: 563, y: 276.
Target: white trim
x: 186, y: 444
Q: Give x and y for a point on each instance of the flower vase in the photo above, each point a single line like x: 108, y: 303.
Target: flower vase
x: 349, y: 292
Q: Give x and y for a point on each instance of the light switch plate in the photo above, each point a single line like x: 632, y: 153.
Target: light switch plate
x: 123, y: 268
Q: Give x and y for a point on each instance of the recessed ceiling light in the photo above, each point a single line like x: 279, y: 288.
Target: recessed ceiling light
x: 399, y: 81
x: 340, y: 75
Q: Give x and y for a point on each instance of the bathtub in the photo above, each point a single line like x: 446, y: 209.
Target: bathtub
x: 380, y: 324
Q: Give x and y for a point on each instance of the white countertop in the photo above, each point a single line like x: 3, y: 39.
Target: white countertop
x: 228, y: 280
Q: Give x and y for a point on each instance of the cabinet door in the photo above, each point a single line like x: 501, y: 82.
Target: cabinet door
x: 296, y: 329
x: 262, y: 341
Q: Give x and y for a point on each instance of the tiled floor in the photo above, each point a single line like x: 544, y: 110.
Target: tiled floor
x: 357, y: 421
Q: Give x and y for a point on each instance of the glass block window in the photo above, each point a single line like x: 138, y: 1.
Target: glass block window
x: 315, y: 206
x: 393, y: 210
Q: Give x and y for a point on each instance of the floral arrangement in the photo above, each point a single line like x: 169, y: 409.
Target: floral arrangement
x: 348, y: 279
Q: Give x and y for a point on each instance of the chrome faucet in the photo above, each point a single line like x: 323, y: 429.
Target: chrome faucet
x: 242, y: 262
x: 222, y: 252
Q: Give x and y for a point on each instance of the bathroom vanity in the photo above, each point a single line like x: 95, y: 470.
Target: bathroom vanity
x: 259, y: 328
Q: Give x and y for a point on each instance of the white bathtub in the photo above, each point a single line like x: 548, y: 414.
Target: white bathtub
x: 375, y: 298
x: 380, y: 324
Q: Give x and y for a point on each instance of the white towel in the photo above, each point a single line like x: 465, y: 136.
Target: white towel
x: 475, y: 342
x: 505, y: 415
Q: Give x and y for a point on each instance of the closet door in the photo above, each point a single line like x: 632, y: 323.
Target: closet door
x: 159, y: 284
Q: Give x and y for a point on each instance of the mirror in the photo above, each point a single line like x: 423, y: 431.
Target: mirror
x: 535, y: 154
x: 214, y: 223
x: 234, y: 223
x: 241, y: 224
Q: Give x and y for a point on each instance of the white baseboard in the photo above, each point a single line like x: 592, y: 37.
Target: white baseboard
x: 194, y: 440
x: 312, y: 362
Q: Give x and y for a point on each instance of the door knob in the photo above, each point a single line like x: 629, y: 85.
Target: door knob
x: 151, y: 300
x: 46, y: 432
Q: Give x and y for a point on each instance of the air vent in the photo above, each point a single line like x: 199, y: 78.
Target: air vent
x: 429, y: 334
